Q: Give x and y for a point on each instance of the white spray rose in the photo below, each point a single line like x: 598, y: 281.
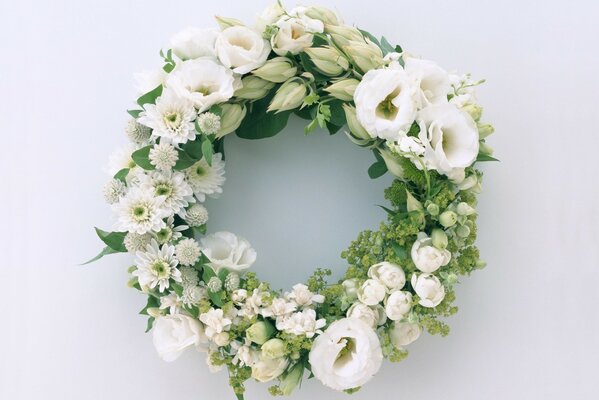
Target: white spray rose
x: 404, y: 333
x: 242, y: 49
x: 398, y: 304
x: 389, y: 274
x: 346, y: 355
x: 429, y: 289
x: 372, y: 292
x: 174, y: 333
x: 386, y: 103
x: 432, y: 81
x: 193, y: 43
x: 303, y: 297
x: 226, y: 250
x: 146, y: 81
x: 266, y: 369
x: 364, y: 313
x: 427, y: 257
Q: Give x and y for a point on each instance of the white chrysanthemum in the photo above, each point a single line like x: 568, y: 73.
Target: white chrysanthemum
x: 192, y: 295
x: 163, y: 156
x: 172, y: 186
x: 137, y: 133
x: 196, y: 215
x: 157, y: 266
x: 135, y: 242
x: 121, y: 159
x: 188, y: 251
x: 170, y: 232
x: 113, y: 191
x: 205, y: 179
x: 189, y: 275
x: 170, y: 118
x: 140, y: 212
x: 209, y: 123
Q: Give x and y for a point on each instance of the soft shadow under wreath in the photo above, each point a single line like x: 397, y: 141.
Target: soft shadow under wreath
x: 423, y: 126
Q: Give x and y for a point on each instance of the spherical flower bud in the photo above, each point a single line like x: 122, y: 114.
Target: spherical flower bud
x: 209, y: 123
x: 238, y: 296
x: 364, y: 54
x: 343, y: 90
x: 253, y: 88
x: 328, y: 60
x: 196, y: 215
x: 439, y: 238
x: 352, y: 122
x: 389, y: 274
x: 215, y: 284
x: 260, y: 332
x: 363, y: 312
x: 433, y: 209
x: 289, y: 96
x: 448, y: 218
x: 398, y: 304
x: 230, y: 119
x: 474, y: 110
x: 232, y: 282
x: 465, y: 209
x: 426, y: 257
x: 372, y: 292
x: 273, y: 348
x: 221, y: 339
x: 451, y: 279
x: 265, y: 369
x: 404, y: 333
x: 323, y: 14
x: 187, y: 251
x: 463, y: 231
x: 276, y: 70
x: 343, y: 35
x: 429, y: 289
x: 485, y: 130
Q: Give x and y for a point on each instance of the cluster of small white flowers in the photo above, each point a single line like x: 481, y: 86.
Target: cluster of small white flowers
x: 113, y: 191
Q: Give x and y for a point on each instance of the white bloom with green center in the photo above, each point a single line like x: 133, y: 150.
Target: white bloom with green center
x: 156, y: 266
x: 209, y: 123
x: 170, y: 118
x: 137, y: 133
x: 196, y: 215
x: 188, y: 252
x: 172, y: 186
x: 205, y: 179
x: 170, y: 232
x: 135, y: 242
x: 140, y: 212
x: 163, y: 156
x: 113, y: 191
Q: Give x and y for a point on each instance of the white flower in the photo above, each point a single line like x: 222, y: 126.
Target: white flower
x: 189, y: 275
x: 226, y: 250
x: 389, y: 274
x: 137, y: 133
x: 215, y: 322
x: 194, y: 43
x: 301, y: 323
x: 172, y: 302
x: 372, y: 292
x: 364, y: 313
x: 187, y: 251
x: 398, y: 304
x: 279, y: 308
x: 404, y: 333
x: 429, y: 289
x: 140, y: 212
x: 432, y: 80
x: 410, y: 144
x: 427, y: 257
x: 386, y: 103
x: 120, y: 159
x: 238, y: 296
x: 252, y: 305
x: 303, y: 297
x: 242, y: 49
x: 135, y: 242
x: 192, y: 295
x: 350, y: 287
x: 171, y: 118
x: 196, y: 215
x: 312, y: 24
x: 163, y: 156
x: 174, y: 333
x: 156, y: 266
x: 209, y: 123
x: 172, y: 187
x: 113, y: 190
x: 147, y: 81
x: 232, y: 282
x: 205, y: 179
x: 266, y: 369
x: 170, y: 232
x: 346, y: 355
x: 450, y: 138
x: 295, y: 35
x: 204, y: 82
x: 245, y: 356
x: 269, y: 16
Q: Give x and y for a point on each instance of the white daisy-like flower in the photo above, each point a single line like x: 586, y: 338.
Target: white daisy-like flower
x: 209, y: 123
x: 157, y: 266
x: 172, y: 186
x: 140, y: 212
x: 189, y: 275
x: 170, y: 232
x: 135, y: 242
x: 170, y: 118
x: 163, y: 156
x: 137, y: 133
x: 196, y: 215
x: 205, y: 179
x: 121, y: 159
x: 188, y: 252
x: 192, y: 295
x: 113, y: 191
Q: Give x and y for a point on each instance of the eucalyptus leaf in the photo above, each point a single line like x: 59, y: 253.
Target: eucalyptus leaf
x: 259, y: 123
x: 114, y: 240
x: 216, y: 298
x: 105, y: 251
x: 150, y: 97
x: 386, y: 46
x: 378, y: 169
x: 141, y: 157
x: 207, y: 151
x: 150, y: 324
x: 184, y: 161
x: 122, y: 175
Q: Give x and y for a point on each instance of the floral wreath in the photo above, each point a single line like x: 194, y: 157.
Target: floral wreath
x: 423, y: 126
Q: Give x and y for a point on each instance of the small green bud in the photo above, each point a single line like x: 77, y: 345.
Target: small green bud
x: 448, y: 218
x: 474, y: 110
x: 354, y: 125
x: 480, y: 264
x: 273, y: 348
x: 230, y: 119
x: 343, y: 89
x: 439, y: 238
x: 277, y: 70
x: 328, y: 60
x: 451, y: 279
x: 253, y: 88
x: 365, y: 54
x: 485, y: 130
x: 433, y: 209
x: 260, y: 332
x: 463, y: 231
x: 289, y: 96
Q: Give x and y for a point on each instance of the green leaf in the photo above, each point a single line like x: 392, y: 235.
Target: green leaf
x: 386, y: 46
x: 150, y: 324
x: 200, y: 229
x: 151, y: 303
x: 388, y: 210
x: 208, y: 273
x: 207, y: 151
x: 399, y: 251
x: 114, y: 240
x: 134, y: 113
x: 141, y: 157
x: 150, y: 97
x: 337, y: 113
x: 193, y: 148
x: 378, y: 169
x: 311, y: 127
x: 222, y: 274
x: 370, y: 36
x: 259, y: 123
x: 184, y: 161
x: 485, y: 157
x: 122, y: 175
x: 216, y: 109
x: 216, y: 298
x: 333, y: 128
x: 105, y: 251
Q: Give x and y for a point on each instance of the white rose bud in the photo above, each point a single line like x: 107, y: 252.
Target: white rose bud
x: 276, y: 70
x: 351, y: 288
x: 232, y: 115
x: 344, y: 90
x: 372, y: 292
x: 260, y: 332
x: 253, y: 88
x: 364, y: 313
x: 433, y: 209
x: 265, y: 369
x: 366, y: 55
x: 404, y: 333
x: 238, y: 296
x: 328, y: 60
x: 289, y: 96
x: 448, y: 218
x: 429, y: 289
x: 389, y: 274
x: 439, y: 238
x: 273, y: 348
x: 242, y: 58
x: 354, y: 125
x: 172, y: 334
x: 426, y: 256
x: 398, y: 304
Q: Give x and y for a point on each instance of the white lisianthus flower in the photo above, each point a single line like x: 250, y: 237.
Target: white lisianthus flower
x: 432, y: 80
x: 171, y: 118
x: 450, y: 138
x: 398, y: 304
x: 429, y: 289
x: 404, y: 333
x: 346, y: 355
x: 207, y: 179
x: 172, y: 334
x: 193, y: 43
x: 266, y: 369
x: 389, y: 274
x: 364, y: 313
x: 242, y: 49
x: 386, y: 103
x: 312, y: 24
x: 228, y: 251
x: 303, y: 297
x: 372, y: 292
x: 215, y: 322
x: 301, y: 323
x: 279, y: 308
x: 203, y: 81
x: 140, y: 212
x: 146, y: 81
x: 120, y: 159
x: 172, y: 186
x: 295, y: 34
x: 156, y: 266
x: 427, y: 257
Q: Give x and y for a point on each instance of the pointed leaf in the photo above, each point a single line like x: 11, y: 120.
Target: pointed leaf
x: 150, y: 97
x: 141, y: 157
x: 105, y: 251
x: 114, y: 240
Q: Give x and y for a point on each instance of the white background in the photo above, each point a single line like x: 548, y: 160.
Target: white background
x: 528, y: 325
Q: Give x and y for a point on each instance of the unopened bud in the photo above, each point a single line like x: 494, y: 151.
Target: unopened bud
x: 474, y: 110
x: 352, y: 122
x: 465, y: 209
x: 343, y: 35
x: 439, y: 238
x: 485, y: 130
x: 253, y: 88
x: 273, y: 348
x: 225, y: 22
x: 448, y: 218
x: 277, y: 70
x: 260, y: 332
x: 366, y: 55
x: 343, y: 89
x: 289, y: 96
x: 328, y: 60
x: 463, y: 231
x: 230, y: 119
x: 322, y: 14
x: 433, y: 209
x: 392, y: 163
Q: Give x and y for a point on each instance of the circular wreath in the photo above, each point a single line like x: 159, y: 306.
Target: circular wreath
x: 423, y: 126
